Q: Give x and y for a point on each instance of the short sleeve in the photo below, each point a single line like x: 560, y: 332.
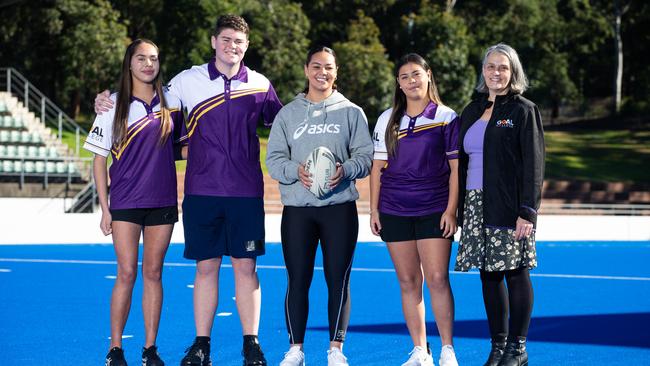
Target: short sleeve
x: 379, y: 136
x: 451, y: 131
x: 272, y: 105
x: 100, y: 137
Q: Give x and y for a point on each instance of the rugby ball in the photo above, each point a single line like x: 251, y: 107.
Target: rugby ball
x: 321, y: 164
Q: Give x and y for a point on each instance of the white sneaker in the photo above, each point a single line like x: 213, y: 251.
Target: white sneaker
x: 419, y: 357
x: 294, y: 357
x: 447, y: 356
x: 336, y: 358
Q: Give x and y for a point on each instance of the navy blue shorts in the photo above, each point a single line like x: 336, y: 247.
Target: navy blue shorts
x: 218, y: 226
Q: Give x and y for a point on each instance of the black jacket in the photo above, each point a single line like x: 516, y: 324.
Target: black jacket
x: 513, y: 160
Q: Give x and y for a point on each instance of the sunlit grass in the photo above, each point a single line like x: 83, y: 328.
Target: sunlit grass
x: 598, y: 155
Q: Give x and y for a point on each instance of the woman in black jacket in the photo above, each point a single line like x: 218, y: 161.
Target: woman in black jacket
x: 501, y: 172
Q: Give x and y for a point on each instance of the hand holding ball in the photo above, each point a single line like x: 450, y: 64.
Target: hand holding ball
x: 321, y: 164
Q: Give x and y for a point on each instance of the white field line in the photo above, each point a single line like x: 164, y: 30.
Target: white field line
x: 357, y: 269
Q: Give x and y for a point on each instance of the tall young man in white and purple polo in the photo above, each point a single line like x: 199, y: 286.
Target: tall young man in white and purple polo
x: 223, y: 209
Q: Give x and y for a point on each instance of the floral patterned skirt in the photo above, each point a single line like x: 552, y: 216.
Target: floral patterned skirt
x: 490, y: 249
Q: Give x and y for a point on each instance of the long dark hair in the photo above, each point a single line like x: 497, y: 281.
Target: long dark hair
x: 124, y: 93
x: 399, y: 99
x: 311, y: 53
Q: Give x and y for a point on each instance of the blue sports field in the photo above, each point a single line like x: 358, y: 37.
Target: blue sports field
x: 592, y: 307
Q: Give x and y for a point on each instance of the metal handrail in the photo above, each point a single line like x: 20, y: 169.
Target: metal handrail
x: 34, y: 100
x: 595, y: 209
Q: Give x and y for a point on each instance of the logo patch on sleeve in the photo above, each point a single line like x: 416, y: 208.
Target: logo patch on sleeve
x: 97, y: 134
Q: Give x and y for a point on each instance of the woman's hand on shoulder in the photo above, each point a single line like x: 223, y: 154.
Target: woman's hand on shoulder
x: 375, y: 224
x: 105, y: 223
x: 103, y: 102
x: 448, y: 224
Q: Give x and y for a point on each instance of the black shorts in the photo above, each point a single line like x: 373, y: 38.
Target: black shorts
x: 405, y: 228
x: 217, y: 226
x: 147, y: 216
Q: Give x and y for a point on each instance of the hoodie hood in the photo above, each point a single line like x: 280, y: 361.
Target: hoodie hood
x: 334, y: 98
x: 318, y: 111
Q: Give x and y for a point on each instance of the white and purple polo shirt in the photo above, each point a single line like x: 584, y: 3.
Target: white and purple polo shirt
x: 415, y: 182
x: 143, y: 173
x: 221, y: 131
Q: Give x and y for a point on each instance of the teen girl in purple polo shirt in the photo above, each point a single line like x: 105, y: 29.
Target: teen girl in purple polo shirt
x: 413, y: 200
x: 138, y: 134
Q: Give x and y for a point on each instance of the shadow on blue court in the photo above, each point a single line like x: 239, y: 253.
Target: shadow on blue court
x: 592, y: 307
x: 630, y: 330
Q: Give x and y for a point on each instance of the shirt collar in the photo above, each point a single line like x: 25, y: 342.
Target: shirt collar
x: 241, y: 75
x: 428, y: 112
x: 154, y: 101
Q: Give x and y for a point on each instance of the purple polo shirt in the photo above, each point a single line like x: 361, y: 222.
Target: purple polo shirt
x: 142, y: 173
x: 221, y: 131
x: 415, y: 182
x: 473, y: 145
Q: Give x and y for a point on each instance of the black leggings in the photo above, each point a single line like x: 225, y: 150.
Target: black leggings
x: 337, y: 227
x: 516, y: 299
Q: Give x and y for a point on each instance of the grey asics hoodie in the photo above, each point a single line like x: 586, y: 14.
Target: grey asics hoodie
x: 300, y: 127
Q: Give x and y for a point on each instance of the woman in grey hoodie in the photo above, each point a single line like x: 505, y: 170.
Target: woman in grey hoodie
x: 320, y: 116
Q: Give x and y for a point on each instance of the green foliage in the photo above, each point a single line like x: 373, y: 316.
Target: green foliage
x: 85, y: 66
x: 329, y: 18
x: 443, y: 40
x: 184, y: 30
x: 279, y: 39
x: 69, y: 48
x: 72, y: 48
x: 365, y: 73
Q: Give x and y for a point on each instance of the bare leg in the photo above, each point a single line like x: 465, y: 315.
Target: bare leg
x: 248, y: 294
x: 156, y: 242
x: 126, y: 236
x: 206, y: 295
x: 409, y: 274
x: 434, y: 254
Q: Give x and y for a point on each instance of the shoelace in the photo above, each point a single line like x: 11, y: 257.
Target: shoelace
x: 418, y: 353
x: 293, y: 355
x: 337, y: 356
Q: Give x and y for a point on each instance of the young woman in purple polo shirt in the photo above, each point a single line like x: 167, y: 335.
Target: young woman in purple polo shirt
x: 413, y: 200
x: 138, y: 134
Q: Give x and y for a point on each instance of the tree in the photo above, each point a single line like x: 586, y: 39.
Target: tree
x: 329, y: 18
x: 443, y: 39
x: 278, y: 44
x: 71, y: 48
x: 185, y: 28
x: 538, y: 33
x: 365, y: 73
x: 92, y: 46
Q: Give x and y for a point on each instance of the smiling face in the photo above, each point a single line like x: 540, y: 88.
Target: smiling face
x: 321, y: 72
x: 229, y: 46
x: 497, y: 73
x: 145, y: 64
x: 413, y: 80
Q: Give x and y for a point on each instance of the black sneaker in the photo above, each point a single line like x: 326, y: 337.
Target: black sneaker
x: 253, y: 355
x: 198, y: 354
x: 115, y: 357
x: 150, y: 357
